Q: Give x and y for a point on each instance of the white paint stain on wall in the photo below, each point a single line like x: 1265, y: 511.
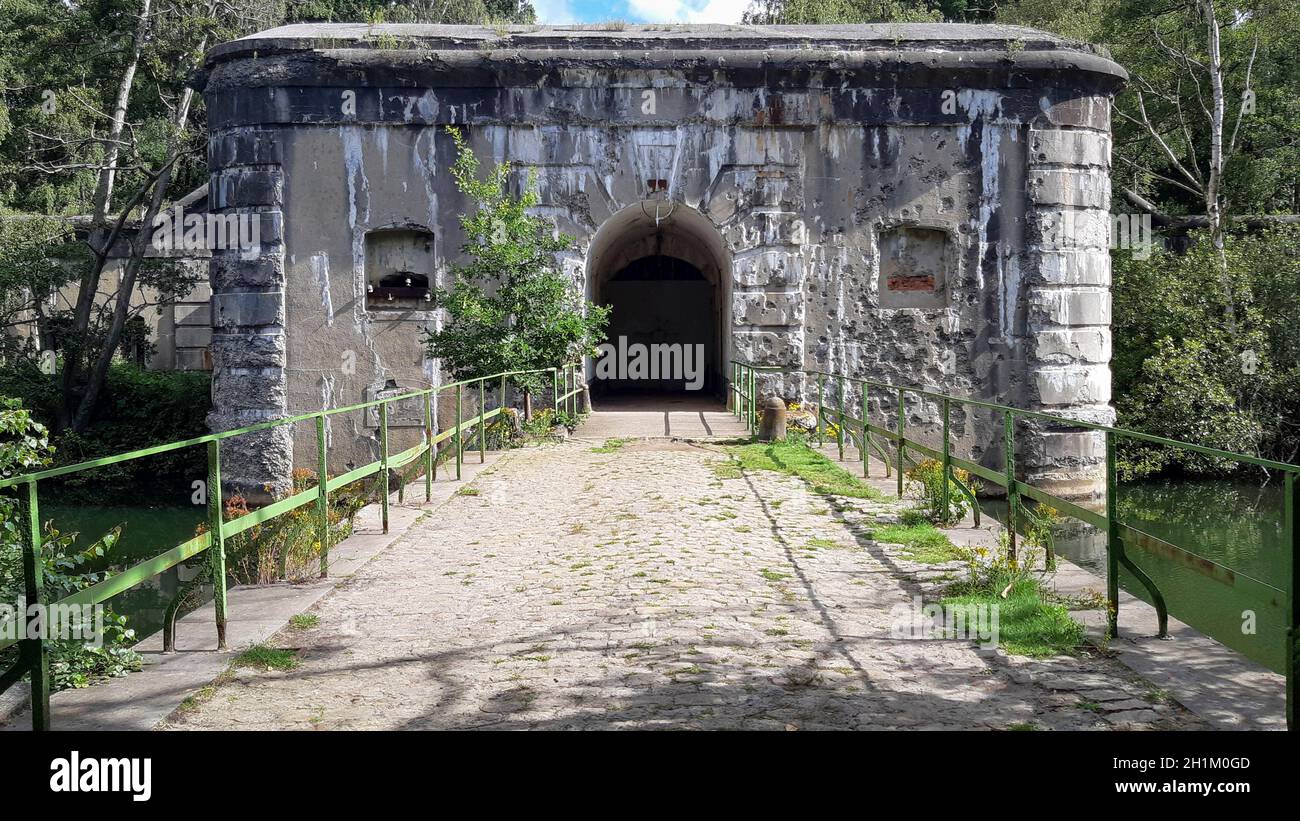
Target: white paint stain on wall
x: 319, y: 265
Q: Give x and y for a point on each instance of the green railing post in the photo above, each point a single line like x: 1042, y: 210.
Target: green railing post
x: 866, y: 435
x: 821, y: 392
x: 34, y: 655
x: 217, y: 550
x: 839, y: 409
x: 383, y: 462
x: 482, y: 423
x: 430, y: 449
x: 752, y: 405
x: 1291, y: 553
x: 947, y: 461
x: 739, y: 388
x: 742, y: 385
x: 322, y: 497
x: 401, y: 485
x: 432, y: 444
x: 1009, y: 469
x: 744, y: 395
x: 749, y: 398
x: 741, y: 410
x: 460, y: 445
x: 1114, y: 543
x: 902, y: 423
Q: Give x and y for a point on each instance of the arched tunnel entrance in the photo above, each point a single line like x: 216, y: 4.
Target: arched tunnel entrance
x: 663, y: 270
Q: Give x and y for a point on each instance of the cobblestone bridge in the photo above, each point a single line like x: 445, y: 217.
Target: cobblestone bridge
x: 641, y: 586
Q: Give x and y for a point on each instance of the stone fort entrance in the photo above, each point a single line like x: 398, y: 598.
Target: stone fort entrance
x: 917, y: 204
x: 665, y: 271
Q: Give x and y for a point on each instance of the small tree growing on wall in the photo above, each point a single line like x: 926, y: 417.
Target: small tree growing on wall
x: 509, y: 307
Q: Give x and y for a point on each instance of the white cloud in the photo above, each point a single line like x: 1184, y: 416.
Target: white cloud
x: 555, y: 11
x: 687, y: 11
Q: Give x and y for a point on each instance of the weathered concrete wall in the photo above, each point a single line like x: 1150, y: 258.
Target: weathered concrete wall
x: 871, y: 200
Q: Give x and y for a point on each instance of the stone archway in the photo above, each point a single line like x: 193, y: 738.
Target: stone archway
x: 666, y: 272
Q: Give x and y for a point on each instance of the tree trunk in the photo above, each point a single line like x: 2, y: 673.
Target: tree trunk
x: 75, y: 344
x: 95, y: 382
x: 1213, y: 184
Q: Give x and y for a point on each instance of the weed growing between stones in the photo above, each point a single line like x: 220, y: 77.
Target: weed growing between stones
x: 1031, y: 620
x: 262, y: 657
x: 928, y: 474
x: 610, y: 446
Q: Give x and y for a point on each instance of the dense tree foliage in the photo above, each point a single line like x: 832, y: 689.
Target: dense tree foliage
x: 410, y: 11
x: 1204, y: 340
x: 1182, y: 372
x: 792, y: 12
x: 98, y: 129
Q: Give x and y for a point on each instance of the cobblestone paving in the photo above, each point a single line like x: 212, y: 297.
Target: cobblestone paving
x: 639, y: 589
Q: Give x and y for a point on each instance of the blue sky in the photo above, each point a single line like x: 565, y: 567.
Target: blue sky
x: 640, y: 11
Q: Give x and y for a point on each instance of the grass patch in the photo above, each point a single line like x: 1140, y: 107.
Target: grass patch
x: 922, y: 542
x: 1157, y: 696
x: 303, y: 621
x: 267, y: 658
x: 821, y: 473
x: 1027, y: 625
x: 468, y: 491
x: 196, y: 700
x: 610, y: 446
x: 772, y: 575
x: 727, y: 470
x: 821, y: 544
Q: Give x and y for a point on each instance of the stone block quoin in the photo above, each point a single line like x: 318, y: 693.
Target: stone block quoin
x: 248, y: 314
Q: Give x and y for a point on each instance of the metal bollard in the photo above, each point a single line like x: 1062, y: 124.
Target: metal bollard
x: 772, y: 425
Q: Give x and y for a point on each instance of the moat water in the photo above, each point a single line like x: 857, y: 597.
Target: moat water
x: 1235, y: 524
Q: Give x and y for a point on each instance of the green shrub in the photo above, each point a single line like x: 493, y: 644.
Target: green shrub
x: 24, y: 447
x: 139, y: 408
x: 288, y: 546
x: 1181, y: 372
x: 929, y: 475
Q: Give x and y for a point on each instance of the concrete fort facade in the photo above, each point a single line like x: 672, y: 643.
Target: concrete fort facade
x: 920, y: 204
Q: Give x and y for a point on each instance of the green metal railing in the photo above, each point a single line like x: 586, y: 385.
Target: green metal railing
x: 32, y: 653
x: 1275, y: 592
